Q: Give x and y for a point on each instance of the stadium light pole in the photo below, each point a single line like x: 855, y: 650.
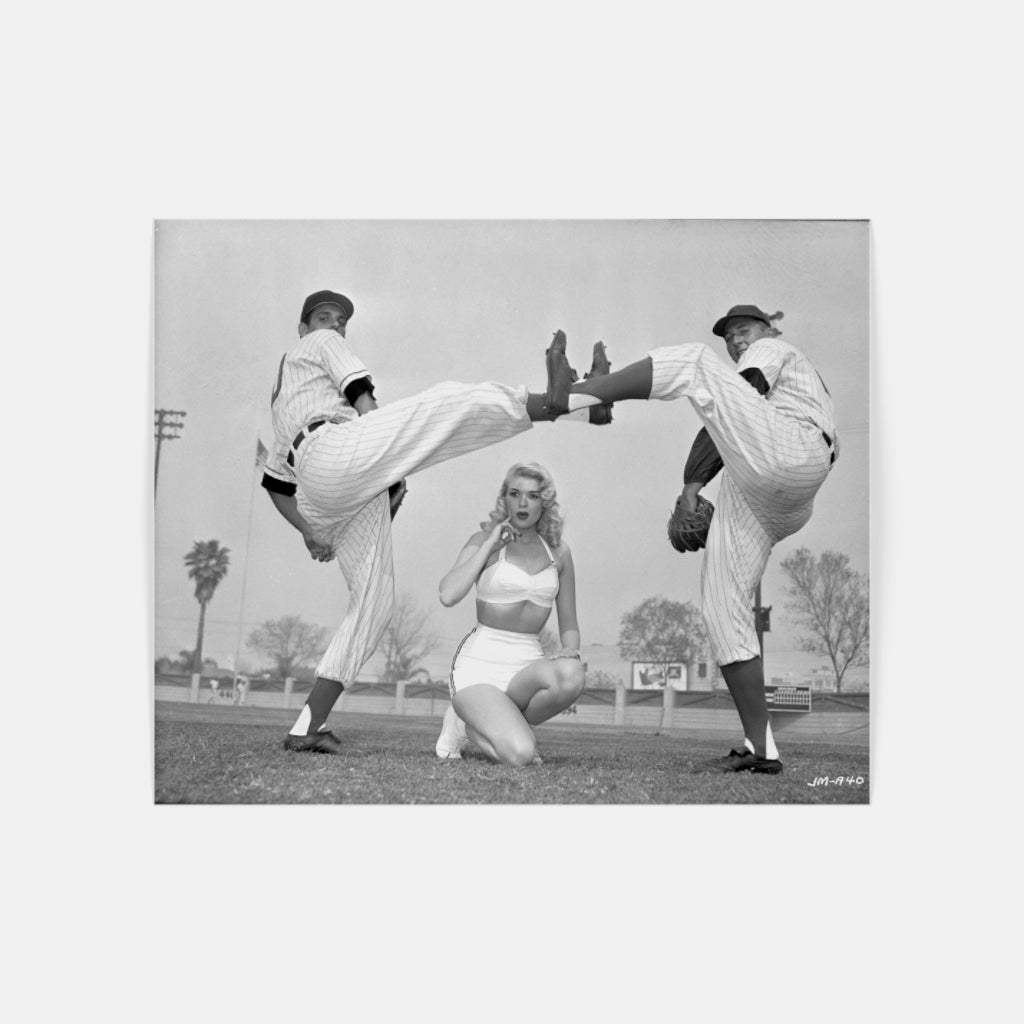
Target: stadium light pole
x: 168, y: 427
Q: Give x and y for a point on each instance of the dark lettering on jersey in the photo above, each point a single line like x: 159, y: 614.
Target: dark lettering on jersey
x: 280, y: 376
x: 824, y: 385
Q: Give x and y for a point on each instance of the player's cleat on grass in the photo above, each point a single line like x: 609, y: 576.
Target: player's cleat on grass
x: 724, y: 764
x: 745, y: 761
x: 732, y: 753
x: 453, y: 738
x: 560, y: 376
x: 314, y: 743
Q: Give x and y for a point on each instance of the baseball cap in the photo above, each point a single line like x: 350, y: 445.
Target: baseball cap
x: 752, y: 311
x: 319, y: 298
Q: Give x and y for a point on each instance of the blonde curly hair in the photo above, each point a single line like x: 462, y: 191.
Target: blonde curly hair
x: 550, y: 524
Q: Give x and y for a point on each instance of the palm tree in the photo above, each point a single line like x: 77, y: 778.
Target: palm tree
x: 207, y: 564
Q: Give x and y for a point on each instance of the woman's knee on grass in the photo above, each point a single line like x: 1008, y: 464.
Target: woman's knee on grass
x: 517, y: 750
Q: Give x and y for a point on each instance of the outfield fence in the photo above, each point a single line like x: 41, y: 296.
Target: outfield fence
x: 655, y: 710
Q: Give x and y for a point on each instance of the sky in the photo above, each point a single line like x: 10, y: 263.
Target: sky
x: 478, y: 300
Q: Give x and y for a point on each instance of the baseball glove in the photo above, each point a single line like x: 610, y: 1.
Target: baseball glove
x: 688, y: 531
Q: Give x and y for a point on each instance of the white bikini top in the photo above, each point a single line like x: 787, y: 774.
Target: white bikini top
x: 505, y: 583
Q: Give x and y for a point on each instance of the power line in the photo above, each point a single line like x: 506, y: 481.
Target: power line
x: 169, y: 420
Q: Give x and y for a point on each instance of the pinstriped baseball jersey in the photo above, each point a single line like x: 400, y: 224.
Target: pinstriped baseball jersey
x: 311, y: 381
x: 342, y: 470
x: 775, y: 460
x: 797, y: 389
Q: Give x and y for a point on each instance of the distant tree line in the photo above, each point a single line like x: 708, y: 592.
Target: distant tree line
x: 829, y: 602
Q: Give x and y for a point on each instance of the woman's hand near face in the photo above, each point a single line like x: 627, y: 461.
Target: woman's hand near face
x: 502, y: 535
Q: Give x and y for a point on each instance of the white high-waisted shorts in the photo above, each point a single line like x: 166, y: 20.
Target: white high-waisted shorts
x: 492, y: 656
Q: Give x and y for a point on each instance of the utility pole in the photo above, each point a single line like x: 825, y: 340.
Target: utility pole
x: 762, y: 620
x: 168, y: 427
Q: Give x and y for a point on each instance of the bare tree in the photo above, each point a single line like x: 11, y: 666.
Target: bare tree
x: 408, y: 639
x: 661, y: 630
x: 288, y: 642
x: 601, y: 680
x: 207, y: 564
x: 830, y: 602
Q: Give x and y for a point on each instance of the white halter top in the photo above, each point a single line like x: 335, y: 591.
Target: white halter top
x: 505, y: 583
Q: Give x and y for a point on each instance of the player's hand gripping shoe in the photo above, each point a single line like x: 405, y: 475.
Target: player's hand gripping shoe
x: 315, y: 743
x: 453, y: 738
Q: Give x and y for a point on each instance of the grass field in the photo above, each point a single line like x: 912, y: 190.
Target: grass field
x: 234, y: 756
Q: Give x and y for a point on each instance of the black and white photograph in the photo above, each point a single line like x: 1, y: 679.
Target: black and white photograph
x: 438, y: 502
x: 511, y: 513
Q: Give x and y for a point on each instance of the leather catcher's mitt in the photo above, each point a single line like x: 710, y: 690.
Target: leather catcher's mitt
x: 688, y: 531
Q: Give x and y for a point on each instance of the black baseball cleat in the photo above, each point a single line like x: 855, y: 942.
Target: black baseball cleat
x: 560, y: 377
x: 600, y: 367
x: 314, y: 743
x: 723, y: 763
x: 731, y: 755
x: 745, y: 761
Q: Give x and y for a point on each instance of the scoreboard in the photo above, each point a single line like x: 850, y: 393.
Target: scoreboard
x: 788, y: 698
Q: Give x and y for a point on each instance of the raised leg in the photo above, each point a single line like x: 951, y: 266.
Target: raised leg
x: 599, y: 388
x: 344, y: 466
x: 631, y: 382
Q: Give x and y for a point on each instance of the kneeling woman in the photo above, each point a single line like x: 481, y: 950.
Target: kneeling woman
x: 501, y: 683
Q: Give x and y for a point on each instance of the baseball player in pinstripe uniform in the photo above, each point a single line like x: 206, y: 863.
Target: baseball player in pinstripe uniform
x: 336, y: 472
x: 772, y: 427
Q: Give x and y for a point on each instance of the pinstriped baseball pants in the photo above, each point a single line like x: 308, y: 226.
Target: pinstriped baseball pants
x: 344, y: 470
x: 774, y: 466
